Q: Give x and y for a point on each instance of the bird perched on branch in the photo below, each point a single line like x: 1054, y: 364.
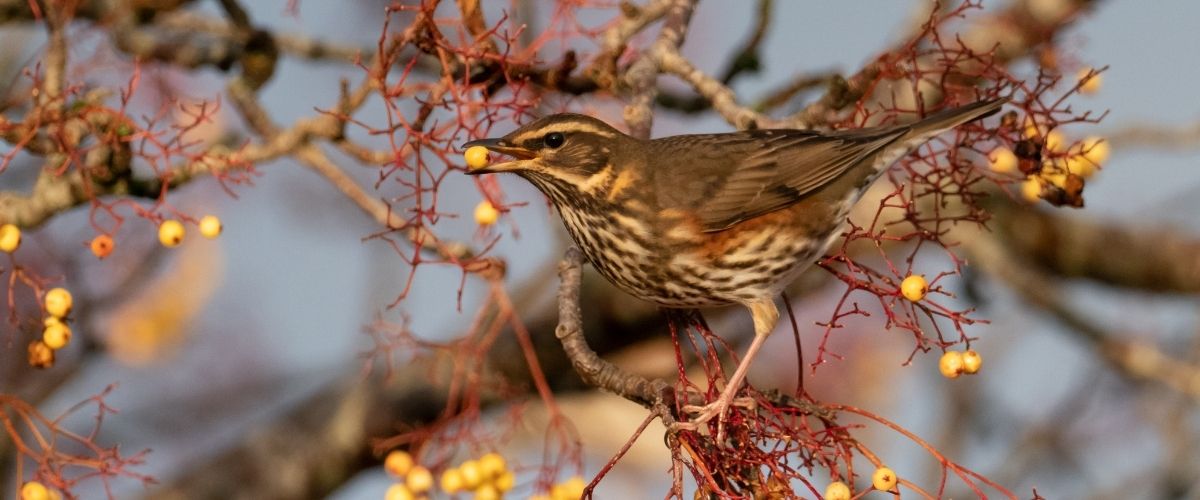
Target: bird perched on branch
x: 706, y: 220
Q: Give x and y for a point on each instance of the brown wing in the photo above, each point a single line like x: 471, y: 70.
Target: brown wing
x: 727, y: 178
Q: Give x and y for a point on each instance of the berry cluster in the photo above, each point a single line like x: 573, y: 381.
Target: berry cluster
x: 56, y: 334
x: 1055, y: 167
x: 171, y: 231
x: 955, y: 363
x: 485, y: 478
x: 57, y: 302
x: 883, y: 479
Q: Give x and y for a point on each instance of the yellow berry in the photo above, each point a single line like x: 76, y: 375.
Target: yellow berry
x: 58, y: 302
x: 1002, y: 160
x: 951, y: 364
x: 972, y: 361
x: 472, y: 474
x: 914, y: 287
x: 210, y: 226
x: 398, y: 463
x: 40, y: 355
x: 170, y: 233
x: 1088, y: 84
x: 1056, y: 142
x: 1095, y: 149
x: 452, y: 481
x: 419, y: 479
x: 399, y: 491
x: 476, y: 156
x: 102, y: 245
x: 56, y: 335
x: 492, y: 464
x: 837, y: 490
x: 34, y: 490
x: 571, y: 489
x: 1059, y: 180
x: 884, y: 479
x: 505, y: 481
x: 1031, y: 189
x: 10, y: 239
x: 1032, y: 129
x: 486, y: 214
x: 487, y: 492
x: 1079, y: 165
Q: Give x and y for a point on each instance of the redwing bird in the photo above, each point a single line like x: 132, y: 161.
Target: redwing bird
x: 706, y: 220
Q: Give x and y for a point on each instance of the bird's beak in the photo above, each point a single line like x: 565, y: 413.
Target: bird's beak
x: 503, y: 147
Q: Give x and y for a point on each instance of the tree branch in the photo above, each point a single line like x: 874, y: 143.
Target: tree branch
x: 1124, y: 255
x: 1137, y: 360
x: 595, y: 371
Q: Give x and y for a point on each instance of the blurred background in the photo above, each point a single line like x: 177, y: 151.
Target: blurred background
x: 221, y: 348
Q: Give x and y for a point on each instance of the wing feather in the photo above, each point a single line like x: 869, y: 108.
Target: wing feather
x: 728, y: 178
x: 751, y: 173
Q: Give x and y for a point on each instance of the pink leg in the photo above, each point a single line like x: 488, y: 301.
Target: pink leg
x: 765, y: 316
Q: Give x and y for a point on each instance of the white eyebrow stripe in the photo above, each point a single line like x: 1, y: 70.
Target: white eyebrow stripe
x: 564, y: 128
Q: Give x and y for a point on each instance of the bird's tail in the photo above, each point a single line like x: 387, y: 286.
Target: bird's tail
x: 915, y: 134
x: 918, y: 132
x: 947, y: 119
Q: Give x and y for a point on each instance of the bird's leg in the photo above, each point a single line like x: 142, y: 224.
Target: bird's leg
x: 765, y: 316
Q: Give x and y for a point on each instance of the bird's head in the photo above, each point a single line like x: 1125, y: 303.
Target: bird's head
x: 563, y: 148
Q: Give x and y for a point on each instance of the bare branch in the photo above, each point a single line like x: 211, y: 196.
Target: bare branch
x: 594, y: 370
x: 1155, y: 136
x: 1136, y: 360
x: 642, y: 75
x: 1125, y: 255
x: 722, y: 97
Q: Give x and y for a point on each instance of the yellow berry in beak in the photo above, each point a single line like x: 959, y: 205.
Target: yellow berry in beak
x: 476, y: 156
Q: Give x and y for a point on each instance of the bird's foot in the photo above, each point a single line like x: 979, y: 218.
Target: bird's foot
x: 699, y: 416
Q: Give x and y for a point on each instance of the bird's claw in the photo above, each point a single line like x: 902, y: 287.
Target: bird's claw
x: 701, y: 415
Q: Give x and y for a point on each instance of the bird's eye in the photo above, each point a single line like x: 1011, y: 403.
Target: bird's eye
x: 553, y: 140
